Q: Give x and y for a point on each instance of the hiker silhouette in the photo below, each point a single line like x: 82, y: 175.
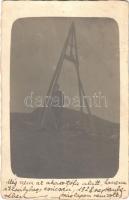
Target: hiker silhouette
x: 57, y: 106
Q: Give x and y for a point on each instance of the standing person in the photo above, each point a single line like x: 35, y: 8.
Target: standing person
x: 57, y: 108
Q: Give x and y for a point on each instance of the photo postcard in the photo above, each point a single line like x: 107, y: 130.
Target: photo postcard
x: 65, y: 100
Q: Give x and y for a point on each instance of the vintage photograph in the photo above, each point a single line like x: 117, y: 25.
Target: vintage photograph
x: 64, y: 97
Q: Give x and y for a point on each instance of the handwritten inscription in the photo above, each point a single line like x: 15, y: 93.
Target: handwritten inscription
x: 63, y: 189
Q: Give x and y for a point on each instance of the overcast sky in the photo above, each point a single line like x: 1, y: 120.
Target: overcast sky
x: 35, y: 50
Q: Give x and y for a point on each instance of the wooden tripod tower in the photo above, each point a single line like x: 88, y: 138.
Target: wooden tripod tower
x: 69, y: 53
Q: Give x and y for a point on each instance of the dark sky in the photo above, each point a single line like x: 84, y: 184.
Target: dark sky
x: 35, y: 49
